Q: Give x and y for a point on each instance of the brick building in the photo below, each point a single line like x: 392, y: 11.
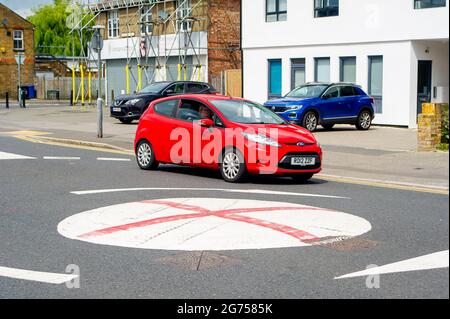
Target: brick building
x: 168, y: 40
x: 16, y: 37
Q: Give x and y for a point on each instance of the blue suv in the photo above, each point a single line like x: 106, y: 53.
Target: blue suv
x: 325, y: 104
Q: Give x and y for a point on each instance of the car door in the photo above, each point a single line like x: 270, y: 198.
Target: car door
x: 163, y: 122
x: 349, y: 101
x: 329, y: 105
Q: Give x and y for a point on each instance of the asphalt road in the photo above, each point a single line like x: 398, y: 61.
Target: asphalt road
x: 36, y: 195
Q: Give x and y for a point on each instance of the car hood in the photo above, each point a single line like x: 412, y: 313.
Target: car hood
x: 283, y: 134
x: 127, y: 97
x: 287, y: 101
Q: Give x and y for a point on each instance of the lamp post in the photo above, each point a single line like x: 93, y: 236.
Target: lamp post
x: 97, y: 45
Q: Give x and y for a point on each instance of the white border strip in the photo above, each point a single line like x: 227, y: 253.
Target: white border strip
x: 246, y: 191
x: 47, y: 277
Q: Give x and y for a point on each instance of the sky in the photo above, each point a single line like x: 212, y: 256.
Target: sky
x: 23, y: 7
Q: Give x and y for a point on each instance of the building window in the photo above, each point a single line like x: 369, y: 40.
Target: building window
x: 298, y: 76
x: 113, y: 24
x: 322, y: 70
x: 18, y: 39
x: 326, y: 8
x: 184, y: 8
x: 348, y: 70
x: 146, y: 19
x: 275, y: 78
x: 276, y: 10
x: 376, y: 81
x: 423, y: 4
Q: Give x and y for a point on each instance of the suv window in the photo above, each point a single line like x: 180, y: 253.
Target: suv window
x: 347, y: 91
x: 166, y: 108
x: 332, y: 92
x: 196, y: 87
x: 177, y: 88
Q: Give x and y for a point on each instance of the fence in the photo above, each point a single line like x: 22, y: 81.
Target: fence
x: 61, y: 87
x: 229, y: 82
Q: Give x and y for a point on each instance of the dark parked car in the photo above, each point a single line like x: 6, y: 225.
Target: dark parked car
x: 325, y: 104
x: 127, y: 108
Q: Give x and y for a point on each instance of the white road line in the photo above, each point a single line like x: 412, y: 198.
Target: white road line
x: 9, y: 156
x: 60, y: 158
x: 432, y: 261
x: 113, y: 159
x: 254, y: 191
x: 47, y: 277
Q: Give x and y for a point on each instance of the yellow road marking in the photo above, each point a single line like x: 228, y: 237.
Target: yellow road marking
x: 27, y: 133
x: 372, y: 183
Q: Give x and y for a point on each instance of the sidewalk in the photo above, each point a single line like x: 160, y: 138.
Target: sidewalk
x: 382, y: 153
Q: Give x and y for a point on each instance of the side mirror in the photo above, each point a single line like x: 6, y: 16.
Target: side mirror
x: 206, y: 123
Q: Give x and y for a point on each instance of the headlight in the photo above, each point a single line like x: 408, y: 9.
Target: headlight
x: 294, y: 107
x: 261, y: 139
x: 132, y: 102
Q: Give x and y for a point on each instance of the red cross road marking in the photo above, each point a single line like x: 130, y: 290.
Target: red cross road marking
x: 231, y: 214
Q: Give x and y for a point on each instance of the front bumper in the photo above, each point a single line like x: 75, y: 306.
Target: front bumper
x: 126, y: 112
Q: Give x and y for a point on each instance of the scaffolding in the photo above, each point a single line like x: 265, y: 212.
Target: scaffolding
x: 162, y: 38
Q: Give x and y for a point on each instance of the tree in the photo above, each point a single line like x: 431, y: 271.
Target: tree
x: 53, y: 23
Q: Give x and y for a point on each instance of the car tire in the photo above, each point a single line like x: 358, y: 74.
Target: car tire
x: 328, y: 126
x: 232, y: 166
x: 126, y: 121
x: 310, y: 121
x: 302, y: 178
x: 145, y: 156
x: 364, y: 120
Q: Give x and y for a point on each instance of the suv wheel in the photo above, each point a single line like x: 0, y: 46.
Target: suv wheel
x: 145, y: 156
x: 310, y: 121
x: 364, y: 120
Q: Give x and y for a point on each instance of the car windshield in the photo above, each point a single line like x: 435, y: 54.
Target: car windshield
x: 307, y: 91
x: 155, y: 87
x: 245, y: 112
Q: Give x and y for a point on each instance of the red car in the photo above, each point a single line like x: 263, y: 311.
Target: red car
x: 233, y: 135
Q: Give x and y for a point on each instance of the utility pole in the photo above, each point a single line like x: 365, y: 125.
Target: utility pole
x: 97, y: 45
x: 19, y: 59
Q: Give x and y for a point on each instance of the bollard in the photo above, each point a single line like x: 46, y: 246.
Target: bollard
x: 7, y: 100
x: 112, y: 97
x: 71, y: 97
x: 23, y: 94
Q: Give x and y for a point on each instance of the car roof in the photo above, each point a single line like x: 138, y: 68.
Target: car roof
x: 208, y: 97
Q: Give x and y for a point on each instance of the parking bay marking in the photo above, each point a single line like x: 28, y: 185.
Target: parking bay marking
x: 431, y: 261
x: 246, y: 191
x: 197, y: 224
x: 31, y: 275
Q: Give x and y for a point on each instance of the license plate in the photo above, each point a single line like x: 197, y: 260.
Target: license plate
x: 303, y: 161
x: 117, y: 109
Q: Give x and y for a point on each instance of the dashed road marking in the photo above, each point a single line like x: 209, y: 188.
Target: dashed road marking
x: 10, y: 156
x: 61, y: 158
x: 431, y: 261
x: 46, y: 277
x: 112, y: 159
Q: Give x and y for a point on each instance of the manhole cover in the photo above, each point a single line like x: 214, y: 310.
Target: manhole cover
x: 345, y: 243
x: 198, y: 260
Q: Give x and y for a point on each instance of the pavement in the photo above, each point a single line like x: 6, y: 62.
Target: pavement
x: 380, y: 155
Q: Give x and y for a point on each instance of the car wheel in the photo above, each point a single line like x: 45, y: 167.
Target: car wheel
x: 328, y: 126
x: 302, y: 178
x: 126, y: 121
x: 145, y: 156
x: 364, y: 120
x: 310, y: 121
x: 233, y: 167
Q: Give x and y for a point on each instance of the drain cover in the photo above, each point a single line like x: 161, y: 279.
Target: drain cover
x: 345, y: 243
x: 198, y: 260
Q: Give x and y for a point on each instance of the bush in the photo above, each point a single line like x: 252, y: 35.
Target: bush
x: 444, y: 132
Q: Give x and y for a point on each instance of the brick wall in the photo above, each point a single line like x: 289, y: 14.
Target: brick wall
x: 223, y: 37
x: 8, y: 65
x: 429, y: 126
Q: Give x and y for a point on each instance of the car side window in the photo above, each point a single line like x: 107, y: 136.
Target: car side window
x: 177, y: 88
x: 347, y: 91
x: 166, y: 108
x: 191, y: 111
x: 332, y: 92
x: 195, y: 87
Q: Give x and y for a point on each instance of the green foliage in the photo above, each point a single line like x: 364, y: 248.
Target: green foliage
x: 445, y: 133
x: 52, y: 28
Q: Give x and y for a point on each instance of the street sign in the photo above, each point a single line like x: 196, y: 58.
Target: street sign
x: 198, y: 224
x: 20, y: 59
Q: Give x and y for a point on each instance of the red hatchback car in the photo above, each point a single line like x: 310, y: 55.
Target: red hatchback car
x: 233, y: 135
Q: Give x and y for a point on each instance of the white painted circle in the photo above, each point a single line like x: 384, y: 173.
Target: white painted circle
x: 195, y: 224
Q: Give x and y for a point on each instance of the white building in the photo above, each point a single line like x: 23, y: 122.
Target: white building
x: 397, y: 50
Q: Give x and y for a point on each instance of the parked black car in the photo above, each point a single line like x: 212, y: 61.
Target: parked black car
x: 127, y: 108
